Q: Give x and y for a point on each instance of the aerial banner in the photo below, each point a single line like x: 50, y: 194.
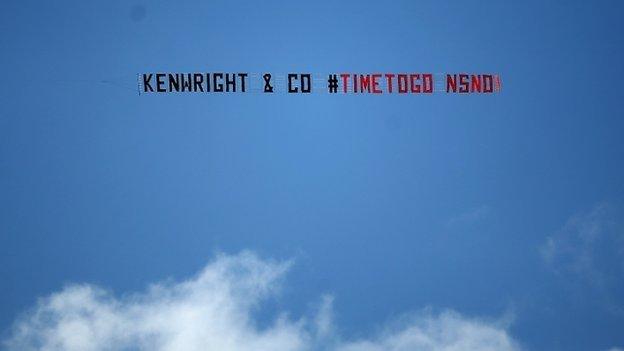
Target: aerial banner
x: 331, y: 83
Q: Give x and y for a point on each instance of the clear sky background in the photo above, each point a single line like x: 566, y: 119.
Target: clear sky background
x: 505, y: 206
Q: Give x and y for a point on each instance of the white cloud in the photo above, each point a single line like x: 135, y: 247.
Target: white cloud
x: 215, y: 311
x: 583, y: 240
x: 588, y: 251
x: 572, y: 247
x: 447, y: 331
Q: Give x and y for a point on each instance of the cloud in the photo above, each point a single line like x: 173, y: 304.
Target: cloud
x: 583, y: 239
x: 589, y: 250
x: 447, y: 331
x: 215, y: 311
x: 574, y: 242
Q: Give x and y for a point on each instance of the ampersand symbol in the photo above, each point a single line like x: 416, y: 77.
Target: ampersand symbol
x: 267, y: 83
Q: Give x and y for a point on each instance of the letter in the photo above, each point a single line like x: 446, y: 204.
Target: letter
x: 242, y: 77
x: 488, y: 86
x: 207, y: 82
x: 364, y: 83
x: 160, y: 82
x: 174, y: 82
x: 475, y: 83
x: 187, y: 82
x: 306, y: 87
x: 218, y: 86
x: 290, y: 88
x: 389, y: 80
x: 146, y: 83
x: 463, y: 83
x: 414, y: 88
x: 345, y: 82
x: 198, y: 80
x: 375, y: 84
x: 230, y: 82
x: 427, y: 83
x: 451, y: 83
x: 355, y: 83
x: 402, y: 87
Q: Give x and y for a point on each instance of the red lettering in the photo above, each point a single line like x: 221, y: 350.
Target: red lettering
x: 389, y: 80
x: 488, y: 86
x: 414, y: 88
x: 364, y: 83
x: 345, y: 82
x: 463, y: 83
x: 428, y: 83
x: 475, y: 83
x: 375, y: 84
x: 402, y: 78
x: 451, y: 83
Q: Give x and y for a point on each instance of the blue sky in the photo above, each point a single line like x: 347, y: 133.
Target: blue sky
x: 502, y: 213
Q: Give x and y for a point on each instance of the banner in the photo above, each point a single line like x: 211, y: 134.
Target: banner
x: 331, y: 83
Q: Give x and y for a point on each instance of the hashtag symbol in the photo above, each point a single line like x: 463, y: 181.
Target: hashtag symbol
x: 332, y: 83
